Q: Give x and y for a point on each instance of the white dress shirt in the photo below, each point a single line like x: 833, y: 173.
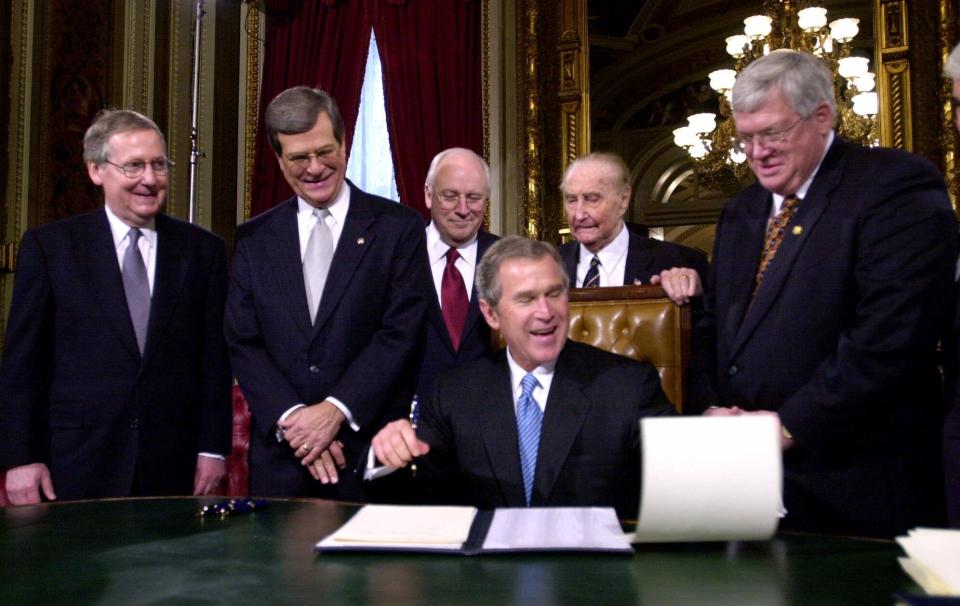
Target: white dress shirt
x: 544, y: 375
x: 613, y: 260
x: 805, y: 187
x: 147, y: 244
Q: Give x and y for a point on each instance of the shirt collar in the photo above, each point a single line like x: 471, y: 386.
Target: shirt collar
x: 338, y: 208
x: 437, y: 248
x: 615, y: 250
x: 120, y: 230
x: 543, y: 373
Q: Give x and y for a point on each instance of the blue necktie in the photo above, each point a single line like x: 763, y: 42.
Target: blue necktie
x: 529, y: 420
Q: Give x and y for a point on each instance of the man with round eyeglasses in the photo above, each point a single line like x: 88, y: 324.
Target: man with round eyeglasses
x: 115, y: 379
x: 830, y: 280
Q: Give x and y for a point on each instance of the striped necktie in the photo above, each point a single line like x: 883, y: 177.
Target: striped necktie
x: 592, y: 279
x: 529, y: 421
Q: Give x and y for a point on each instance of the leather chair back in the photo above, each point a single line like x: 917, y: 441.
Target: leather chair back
x: 638, y: 322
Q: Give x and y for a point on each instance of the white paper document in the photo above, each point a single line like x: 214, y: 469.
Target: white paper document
x: 934, y: 559
x: 439, y: 527
x: 555, y: 528
x: 710, y: 479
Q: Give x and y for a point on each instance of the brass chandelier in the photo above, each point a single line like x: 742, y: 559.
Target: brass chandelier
x: 709, y: 139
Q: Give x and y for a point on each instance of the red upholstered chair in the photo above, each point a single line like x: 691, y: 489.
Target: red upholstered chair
x: 238, y: 471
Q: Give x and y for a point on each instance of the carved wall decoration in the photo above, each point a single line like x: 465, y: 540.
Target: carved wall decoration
x: 531, y: 208
x: 893, y: 74
x: 946, y: 40
x: 75, y: 63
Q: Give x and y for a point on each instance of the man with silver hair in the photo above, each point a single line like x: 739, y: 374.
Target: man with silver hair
x: 548, y: 421
x: 951, y: 423
x: 115, y: 379
x: 456, y: 191
x: 831, y: 278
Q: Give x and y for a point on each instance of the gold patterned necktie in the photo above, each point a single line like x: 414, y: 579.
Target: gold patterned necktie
x: 775, y: 233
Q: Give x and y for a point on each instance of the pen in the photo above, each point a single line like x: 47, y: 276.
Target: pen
x: 414, y: 417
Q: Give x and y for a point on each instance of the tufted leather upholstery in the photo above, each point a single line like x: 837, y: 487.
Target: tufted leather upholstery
x: 238, y: 470
x: 639, y: 322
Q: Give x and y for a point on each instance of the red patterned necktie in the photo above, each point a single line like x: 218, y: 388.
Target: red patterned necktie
x: 453, y: 298
x: 775, y: 233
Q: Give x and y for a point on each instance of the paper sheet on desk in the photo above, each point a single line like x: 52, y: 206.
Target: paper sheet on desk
x: 399, y: 525
x: 555, y: 528
x: 709, y: 479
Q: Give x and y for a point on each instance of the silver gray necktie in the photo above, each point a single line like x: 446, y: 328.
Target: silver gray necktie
x: 136, y: 287
x: 316, y: 261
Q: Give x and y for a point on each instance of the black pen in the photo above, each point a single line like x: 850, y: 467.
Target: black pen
x: 414, y: 418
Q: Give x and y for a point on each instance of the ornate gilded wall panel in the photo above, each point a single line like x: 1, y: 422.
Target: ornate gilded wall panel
x: 949, y: 144
x: 532, y: 207
x: 574, y: 95
x: 893, y: 74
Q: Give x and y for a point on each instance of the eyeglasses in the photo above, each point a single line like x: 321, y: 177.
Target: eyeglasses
x: 301, y: 161
x: 450, y: 199
x: 135, y: 168
x: 768, y: 138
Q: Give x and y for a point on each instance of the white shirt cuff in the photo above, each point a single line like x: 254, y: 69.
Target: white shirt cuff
x: 289, y: 411
x: 212, y: 455
x: 373, y: 471
x: 346, y: 412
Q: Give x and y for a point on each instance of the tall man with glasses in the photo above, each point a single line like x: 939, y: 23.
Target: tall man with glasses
x: 325, y: 310
x: 831, y: 279
x: 596, y: 196
x: 115, y: 379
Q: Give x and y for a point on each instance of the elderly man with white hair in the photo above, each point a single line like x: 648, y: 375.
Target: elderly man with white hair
x: 832, y: 277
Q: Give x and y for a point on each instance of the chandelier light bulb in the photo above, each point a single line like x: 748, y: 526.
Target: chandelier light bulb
x: 737, y: 156
x: 865, y: 83
x: 844, y: 30
x: 699, y: 150
x: 853, y: 67
x: 703, y: 123
x: 722, y: 80
x: 865, y: 104
x: 736, y: 45
x: 812, y: 19
x: 757, y: 26
x: 684, y: 137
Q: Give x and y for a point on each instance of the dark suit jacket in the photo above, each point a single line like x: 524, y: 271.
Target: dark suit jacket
x: 439, y: 354
x: 840, y: 338
x: 74, y: 391
x: 645, y: 257
x: 369, y: 325
x: 589, y: 444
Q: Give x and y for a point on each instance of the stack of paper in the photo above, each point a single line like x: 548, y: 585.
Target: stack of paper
x: 933, y: 559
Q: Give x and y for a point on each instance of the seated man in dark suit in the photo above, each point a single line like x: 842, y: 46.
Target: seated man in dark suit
x: 596, y: 195
x: 115, y: 379
x: 548, y: 421
x: 457, y: 189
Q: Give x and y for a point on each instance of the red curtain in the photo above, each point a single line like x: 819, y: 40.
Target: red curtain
x: 432, y: 82
x: 431, y: 70
x: 317, y: 43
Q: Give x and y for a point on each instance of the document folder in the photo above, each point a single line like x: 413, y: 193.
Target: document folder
x: 467, y: 531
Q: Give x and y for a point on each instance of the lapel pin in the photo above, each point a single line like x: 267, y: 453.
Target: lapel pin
x: 797, y: 230
x: 360, y: 240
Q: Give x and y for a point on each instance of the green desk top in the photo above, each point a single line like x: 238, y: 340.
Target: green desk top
x: 156, y: 551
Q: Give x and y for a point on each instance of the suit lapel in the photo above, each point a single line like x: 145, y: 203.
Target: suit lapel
x: 171, y: 271
x: 805, y: 220
x: 639, y: 265
x: 94, y: 244
x: 747, y: 239
x: 498, y: 428
x: 284, y: 246
x: 484, y: 240
x: 567, y: 407
x: 356, y: 238
x: 571, y: 257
